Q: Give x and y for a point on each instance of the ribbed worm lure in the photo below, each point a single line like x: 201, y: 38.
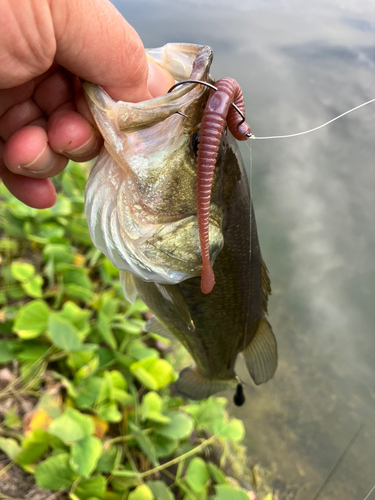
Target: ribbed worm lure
x: 225, y: 104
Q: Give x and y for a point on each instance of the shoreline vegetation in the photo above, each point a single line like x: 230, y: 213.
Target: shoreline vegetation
x: 87, y: 408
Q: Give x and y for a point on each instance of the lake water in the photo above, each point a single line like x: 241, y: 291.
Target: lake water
x: 300, y: 64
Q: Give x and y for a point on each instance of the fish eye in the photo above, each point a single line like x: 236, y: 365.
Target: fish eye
x: 195, y: 142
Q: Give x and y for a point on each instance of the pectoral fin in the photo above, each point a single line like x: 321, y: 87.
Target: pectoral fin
x: 128, y: 286
x: 153, y: 325
x: 193, y: 385
x: 176, y: 300
x: 261, y: 354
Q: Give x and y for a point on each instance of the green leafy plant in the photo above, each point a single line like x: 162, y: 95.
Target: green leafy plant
x: 103, y: 423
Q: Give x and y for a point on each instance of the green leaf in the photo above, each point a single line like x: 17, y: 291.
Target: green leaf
x: 51, y: 403
x: 197, y: 475
x: 31, y: 320
x: 78, y: 359
x: 224, y: 492
x: 85, y: 455
x: 16, y: 293
x: 218, y: 476
x: 58, y: 253
x: 160, y: 490
x: 105, y: 330
x: 108, y: 304
x: 33, y: 288
x: 109, y: 412
x: 151, y: 402
x: 154, y: 373
x: 143, y: 376
x: 22, y: 271
x: 6, y: 354
x: 138, y: 350
x: 268, y: 497
x: 32, y: 351
x: 122, y: 397
x: 190, y: 494
x: 91, y: 488
x: 11, y: 419
x: 78, y: 292
x: 33, y: 447
x: 78, y: 316
x: 87, y: 391
x: 62, y: 207
x: 206, y: 412
x: 87, y: 370
x: 8, y: 246
x: 145, y: 444
x: 79, y: 230
x: 10, y: 447
x: 141, y: 492
x: 55, y: 473
x: 109, y: 459
x: 71, y: 426
x: 63, y: 333
x: 77, y: 276
x: 151, y: 408
x: 233, y: 430
x: 164, y: 447
x: 179, y: 427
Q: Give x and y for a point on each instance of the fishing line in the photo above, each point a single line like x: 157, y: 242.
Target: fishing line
x: 339, y: 461
x: 369, y: 493
x: 250, y: 181
x: 315, y: 128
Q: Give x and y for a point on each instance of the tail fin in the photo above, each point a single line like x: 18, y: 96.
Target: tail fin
x: 261, y: 354
x: 193, y: 385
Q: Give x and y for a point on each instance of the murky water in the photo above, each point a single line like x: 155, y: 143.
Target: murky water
x: 300, y: 64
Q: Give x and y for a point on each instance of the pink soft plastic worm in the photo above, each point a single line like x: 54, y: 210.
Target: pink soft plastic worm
x: 218, y: 110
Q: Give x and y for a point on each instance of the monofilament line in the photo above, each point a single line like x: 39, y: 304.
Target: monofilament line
x: 250, y: 181
x: 369, y: 493
x: 315, y: 128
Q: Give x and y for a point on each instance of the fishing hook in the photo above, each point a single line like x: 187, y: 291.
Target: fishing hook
x: 213, y: 88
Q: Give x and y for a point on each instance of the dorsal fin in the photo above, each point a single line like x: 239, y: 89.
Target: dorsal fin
x: 261, y: 354
x: 266, y: 285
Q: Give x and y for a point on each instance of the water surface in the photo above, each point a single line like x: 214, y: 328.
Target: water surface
x: 299, y: 65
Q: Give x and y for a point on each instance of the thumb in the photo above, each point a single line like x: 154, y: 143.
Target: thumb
x: 96, y: 43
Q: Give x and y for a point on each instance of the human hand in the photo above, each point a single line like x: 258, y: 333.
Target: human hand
x: 45, y: 46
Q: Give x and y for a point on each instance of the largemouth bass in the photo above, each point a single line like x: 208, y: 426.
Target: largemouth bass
x: 141, y: 206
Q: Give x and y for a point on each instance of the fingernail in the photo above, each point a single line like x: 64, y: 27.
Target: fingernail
x: 41, y: 162
x: 86, y: 148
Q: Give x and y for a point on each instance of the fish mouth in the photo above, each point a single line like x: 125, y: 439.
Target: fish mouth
x: 184, y: 61
x: 144, y: 182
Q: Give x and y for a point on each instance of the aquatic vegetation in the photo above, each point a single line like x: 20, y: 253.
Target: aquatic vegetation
x: 85, y: 398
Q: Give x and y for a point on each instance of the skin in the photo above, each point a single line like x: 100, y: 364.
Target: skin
x: 45, y: 47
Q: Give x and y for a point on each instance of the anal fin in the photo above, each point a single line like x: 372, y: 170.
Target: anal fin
x: 261, y: 354
x: 193, y: 385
